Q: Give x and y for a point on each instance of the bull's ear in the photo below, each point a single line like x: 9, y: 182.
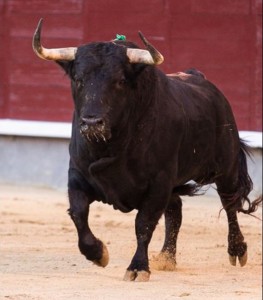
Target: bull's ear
x: 66, y: 65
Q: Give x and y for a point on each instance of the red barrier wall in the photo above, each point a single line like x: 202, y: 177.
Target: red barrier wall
x: 222, y: 38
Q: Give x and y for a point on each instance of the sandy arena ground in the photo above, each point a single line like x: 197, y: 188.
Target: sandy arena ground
x: 40, y: 259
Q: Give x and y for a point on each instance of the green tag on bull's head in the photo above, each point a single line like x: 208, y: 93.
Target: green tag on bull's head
x: 120, y: 37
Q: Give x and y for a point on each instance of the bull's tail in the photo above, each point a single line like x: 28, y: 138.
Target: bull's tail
x: 245, y: 185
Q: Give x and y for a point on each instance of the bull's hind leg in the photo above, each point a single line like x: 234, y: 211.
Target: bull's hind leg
x: 233, y: 188
x: 166, y: 259
x: 237, y: 248
x: 91, y: 247
x: 231, y: 197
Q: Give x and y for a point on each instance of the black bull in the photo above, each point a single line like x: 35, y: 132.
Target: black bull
x: 138, y: 137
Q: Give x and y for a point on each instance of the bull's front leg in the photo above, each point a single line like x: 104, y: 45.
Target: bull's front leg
x: 145, y: 224
x: 147, y: 218
x: 91, y: 247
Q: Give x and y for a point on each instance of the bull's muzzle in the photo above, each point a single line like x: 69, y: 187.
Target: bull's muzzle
x: 94, y: 129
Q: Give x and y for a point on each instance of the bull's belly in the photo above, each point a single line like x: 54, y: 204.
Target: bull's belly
x: 202, y: 178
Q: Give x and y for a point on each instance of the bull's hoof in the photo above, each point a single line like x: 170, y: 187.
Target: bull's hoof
x: 139, y: 276
x: 242, y: 259
x: 129, y: 276
x: 232, y: 260
x: 164, y: 261
x: 104, y: 260
x: 142, y: 276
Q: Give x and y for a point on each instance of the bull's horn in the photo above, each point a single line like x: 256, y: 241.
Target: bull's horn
x: 151, y: 56
x: 51, y: 54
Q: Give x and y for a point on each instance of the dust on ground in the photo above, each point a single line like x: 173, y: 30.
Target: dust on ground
x: 40, y: 258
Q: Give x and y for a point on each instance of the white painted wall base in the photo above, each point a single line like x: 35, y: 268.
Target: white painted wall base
x: 36, y: 153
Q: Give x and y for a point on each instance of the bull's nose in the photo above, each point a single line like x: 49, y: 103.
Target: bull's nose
x: 91, y: 121
x: 94, y: 128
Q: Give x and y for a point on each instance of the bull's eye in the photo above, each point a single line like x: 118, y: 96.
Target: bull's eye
x: 122, y: 82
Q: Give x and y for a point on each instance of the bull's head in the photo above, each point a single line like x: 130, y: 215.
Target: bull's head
x: 102, y: 79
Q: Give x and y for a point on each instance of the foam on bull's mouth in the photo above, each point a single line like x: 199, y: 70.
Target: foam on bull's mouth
x: 95, y: 133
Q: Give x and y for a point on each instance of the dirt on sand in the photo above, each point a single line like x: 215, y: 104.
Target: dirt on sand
x: 39, y: 257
